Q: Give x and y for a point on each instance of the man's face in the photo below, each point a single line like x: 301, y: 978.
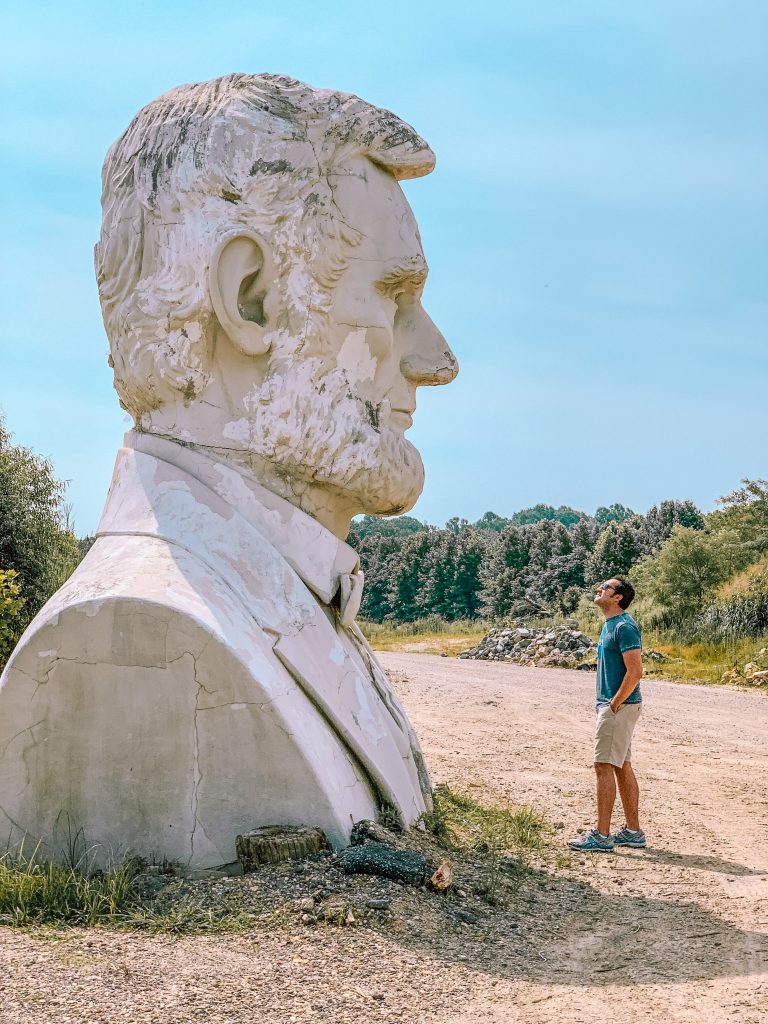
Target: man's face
x: 606, y: 596
x: 350, y: 391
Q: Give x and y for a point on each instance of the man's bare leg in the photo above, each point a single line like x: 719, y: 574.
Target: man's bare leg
x: 629, y: 791
x: 606, y: 796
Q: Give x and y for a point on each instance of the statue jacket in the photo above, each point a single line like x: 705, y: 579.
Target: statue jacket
x: 200, y: 675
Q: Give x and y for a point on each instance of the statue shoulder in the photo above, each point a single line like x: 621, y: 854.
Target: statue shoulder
x: 136, y: 601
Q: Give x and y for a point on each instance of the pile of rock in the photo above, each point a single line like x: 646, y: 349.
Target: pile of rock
x: 553, y: 647
x: 752, y: 674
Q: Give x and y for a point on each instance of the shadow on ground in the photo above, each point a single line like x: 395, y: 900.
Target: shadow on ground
x: 557, y: 930
x: 703, y: 862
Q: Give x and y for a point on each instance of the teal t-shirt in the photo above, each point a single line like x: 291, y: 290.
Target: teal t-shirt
x: 620, y: 633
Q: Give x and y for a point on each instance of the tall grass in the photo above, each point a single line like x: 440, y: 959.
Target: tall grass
x: 703, y: 662
x: 490, y: 832
x: 466, y: 824
x: 33, y: 890
x: 430, y: 625
x: 729, y: 620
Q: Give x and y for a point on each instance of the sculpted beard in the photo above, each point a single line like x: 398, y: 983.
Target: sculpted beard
x: 307, y: 417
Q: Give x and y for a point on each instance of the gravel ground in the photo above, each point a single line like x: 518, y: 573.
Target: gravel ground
x: 677, y: 933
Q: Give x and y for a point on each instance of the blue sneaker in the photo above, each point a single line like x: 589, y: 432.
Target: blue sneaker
x: 592, y: 842
x: 626, y: 837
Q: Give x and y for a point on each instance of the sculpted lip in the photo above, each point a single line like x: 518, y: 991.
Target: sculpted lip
x: 401, y: 415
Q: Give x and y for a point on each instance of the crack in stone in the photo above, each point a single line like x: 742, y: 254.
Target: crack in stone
x: 21, y: 732
x: 238, y: 704
x: 196, y: 764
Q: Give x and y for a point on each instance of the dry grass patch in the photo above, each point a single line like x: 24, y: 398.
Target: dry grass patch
x: 705, y: 662
x: 431, y: 635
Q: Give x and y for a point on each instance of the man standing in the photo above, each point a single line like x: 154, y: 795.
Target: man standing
x: 619, y: 669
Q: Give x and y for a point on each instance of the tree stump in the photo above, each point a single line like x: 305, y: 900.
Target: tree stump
x: 272, y: 844
x: 406, y: 866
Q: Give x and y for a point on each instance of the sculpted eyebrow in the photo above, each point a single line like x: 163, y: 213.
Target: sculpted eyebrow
x: 408, y: 273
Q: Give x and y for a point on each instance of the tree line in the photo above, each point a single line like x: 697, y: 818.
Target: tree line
x: 537, y: 561
x: 544, y: 561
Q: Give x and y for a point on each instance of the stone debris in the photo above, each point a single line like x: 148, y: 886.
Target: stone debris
x: 551, y: 647
x: 655, y: 656
x: 751, y: 674
x: 389, y: 879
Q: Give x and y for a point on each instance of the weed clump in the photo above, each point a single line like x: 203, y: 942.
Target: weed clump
x: 34, y: 891
x: 503, y: 838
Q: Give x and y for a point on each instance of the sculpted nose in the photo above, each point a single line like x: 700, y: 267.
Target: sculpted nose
x: 428, y: 358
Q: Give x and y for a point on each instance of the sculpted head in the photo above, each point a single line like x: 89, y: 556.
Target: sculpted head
x: 260, y: 274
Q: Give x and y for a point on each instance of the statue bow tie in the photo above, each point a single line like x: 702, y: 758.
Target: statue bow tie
x: 350, y: 596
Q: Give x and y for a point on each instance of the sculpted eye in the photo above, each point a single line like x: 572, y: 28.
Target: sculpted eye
x: 403, y: 282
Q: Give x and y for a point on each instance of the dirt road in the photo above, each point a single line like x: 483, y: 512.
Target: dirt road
x: 675, y: 934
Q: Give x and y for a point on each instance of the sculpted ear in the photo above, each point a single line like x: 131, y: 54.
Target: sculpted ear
x: 242, y: 285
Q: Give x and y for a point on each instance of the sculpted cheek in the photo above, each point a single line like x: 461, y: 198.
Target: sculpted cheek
x: 355, y: 358
x: 379, y: 340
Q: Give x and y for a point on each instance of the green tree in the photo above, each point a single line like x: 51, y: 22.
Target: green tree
x: 377, y: 555
x: 500, y: 591
x: 386, y: 526
x: 689, y: 566
x: 471, y: 550
x: 549, y: 539
x: 616, y: 513
x: 564, y: 514
x: 438, y: 574
x: 408, y: 568
x: 617, y: 549
x: 490, y: 521
x: 584, y: 535
x: 456, y: 525
x: 745, y: 516
x: 11, y: 606
x: 657, y: 525
x: 36, y: 538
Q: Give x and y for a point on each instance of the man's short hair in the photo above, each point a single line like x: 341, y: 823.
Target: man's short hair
x: 626, y: 592
x: 238, y: 152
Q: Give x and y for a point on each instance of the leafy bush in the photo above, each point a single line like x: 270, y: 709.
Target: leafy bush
x: 741, y: 615
x: 689, y: 566
x: 11, y: 605
x: 745, y: 515
x: 36, y: 538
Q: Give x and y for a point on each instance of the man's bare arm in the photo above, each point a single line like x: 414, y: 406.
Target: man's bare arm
x: 633, y: 662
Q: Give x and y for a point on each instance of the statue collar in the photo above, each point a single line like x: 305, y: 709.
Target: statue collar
x: 328, y: 566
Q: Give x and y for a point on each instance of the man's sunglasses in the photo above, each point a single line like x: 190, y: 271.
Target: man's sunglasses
x: 606, y: 586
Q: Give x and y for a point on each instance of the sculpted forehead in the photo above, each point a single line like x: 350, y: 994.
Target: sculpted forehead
x: 370, y: 200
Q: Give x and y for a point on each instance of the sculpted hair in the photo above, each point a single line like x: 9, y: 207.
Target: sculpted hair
x: 242, y: 151
x: 626, y: 592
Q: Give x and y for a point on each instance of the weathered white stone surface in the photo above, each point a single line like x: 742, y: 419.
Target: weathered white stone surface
x: 200, y: 674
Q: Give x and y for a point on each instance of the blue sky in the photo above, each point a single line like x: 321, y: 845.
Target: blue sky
x: 596, y: 227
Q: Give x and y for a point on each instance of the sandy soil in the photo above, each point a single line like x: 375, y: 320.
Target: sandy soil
x: 677, y: 933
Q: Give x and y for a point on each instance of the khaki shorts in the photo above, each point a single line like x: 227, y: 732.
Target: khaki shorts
x: 613, y: 733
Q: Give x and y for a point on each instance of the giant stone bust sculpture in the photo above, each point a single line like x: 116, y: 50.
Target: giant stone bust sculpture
x: 200, y: 674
